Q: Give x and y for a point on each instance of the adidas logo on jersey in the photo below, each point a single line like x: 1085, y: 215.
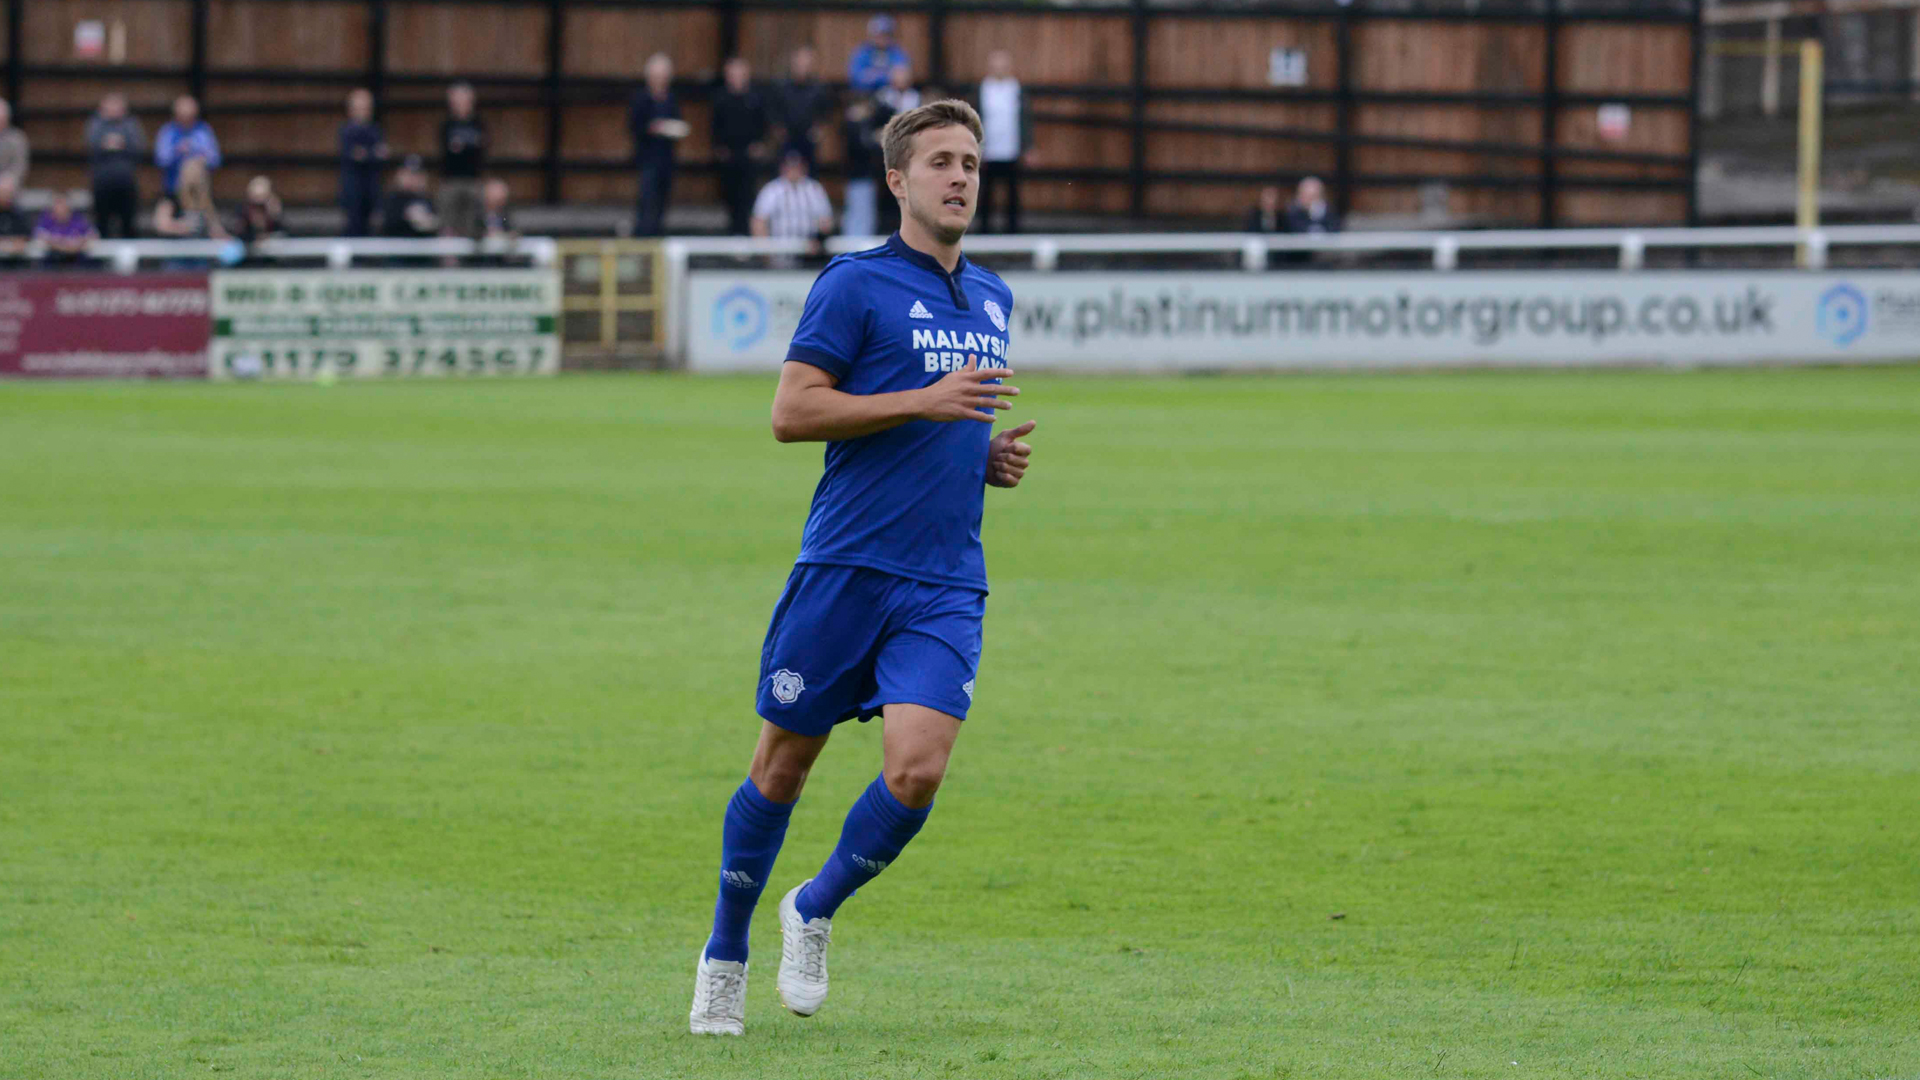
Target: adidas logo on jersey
x: 919, y: 311
x: 739, y: 879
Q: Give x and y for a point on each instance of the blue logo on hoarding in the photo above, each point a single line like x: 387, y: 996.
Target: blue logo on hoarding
x: 1842, y: 315
x: 740, y: 317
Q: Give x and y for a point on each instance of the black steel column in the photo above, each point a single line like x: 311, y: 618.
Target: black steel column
x: 1550, y: 121
x: 1693, y: 115
x: 377, y: 52
x: 937, y: 44
x: 16, y: 56
x: 1343, y: 113
x: 556, y: 56
x: 1137, y: 174
x: 197, y: 56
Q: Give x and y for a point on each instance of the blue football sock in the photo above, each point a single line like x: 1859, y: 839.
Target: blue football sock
x: 877, y: 828
x: 749, y: 843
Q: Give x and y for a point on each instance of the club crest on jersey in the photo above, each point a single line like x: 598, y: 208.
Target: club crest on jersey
x: 995, y: 315
x: 919, y: 311
x: 787, y: 686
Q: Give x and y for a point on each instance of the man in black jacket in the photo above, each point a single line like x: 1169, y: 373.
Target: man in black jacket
x: 801, y: 104
x: 739, y: 142
x: 654, y: 120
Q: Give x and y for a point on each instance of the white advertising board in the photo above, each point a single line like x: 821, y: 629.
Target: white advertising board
x: 296, y: 324
x: 1160, y: 321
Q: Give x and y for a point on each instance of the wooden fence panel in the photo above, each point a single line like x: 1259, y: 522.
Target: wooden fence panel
x: 1393, y: 54
x: 444, y: 39
x: 159, y: 32
x: 307, y: 35
x: 1597, y: 58
x: 1077, y: 50
x: 768, y: 37
x: 1234, y: 52
x: 616, y: 42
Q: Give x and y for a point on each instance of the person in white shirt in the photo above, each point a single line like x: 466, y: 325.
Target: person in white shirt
x: 1003, y: 115
x: 793, y: 204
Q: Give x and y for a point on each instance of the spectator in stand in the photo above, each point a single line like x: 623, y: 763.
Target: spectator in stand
x: 65, y: 233
x: 15, y: 155
x: 463, y: 156
x: 13, y: 224
x: 1269, y: 215
x: 654, y: 120
x: 739, y: 142
x: 1003, y: 117
x: 873, y: 62
x: 794, y: 205
x: 499, y: 211
x: 187, y: 212
x: 260, y: 217
x: 899, y: 95
x: 408, y: 212
x: 800, y: 106
x: 1310, y: 212
x: 115, y: 146
x: 865, y: 165
x: 363, y: 157
x: 184, y: 138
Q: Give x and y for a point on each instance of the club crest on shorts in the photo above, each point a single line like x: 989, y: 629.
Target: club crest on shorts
x: 787, y: 686
x: 994, y: 314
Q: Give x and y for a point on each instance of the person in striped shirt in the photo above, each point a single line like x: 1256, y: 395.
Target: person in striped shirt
x: 793, y: 204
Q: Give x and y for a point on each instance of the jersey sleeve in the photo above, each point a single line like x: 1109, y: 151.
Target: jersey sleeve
x: 833, y: 325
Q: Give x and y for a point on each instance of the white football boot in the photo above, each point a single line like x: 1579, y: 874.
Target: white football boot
x: 803, y: 957
x: 719, y: 997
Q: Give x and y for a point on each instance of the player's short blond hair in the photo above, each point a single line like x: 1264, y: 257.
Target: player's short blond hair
x: 896, y: 139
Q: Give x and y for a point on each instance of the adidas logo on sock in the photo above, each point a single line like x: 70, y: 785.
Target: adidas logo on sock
x: 739, y: 879
x: 919, y: 311
x: 871, y: 866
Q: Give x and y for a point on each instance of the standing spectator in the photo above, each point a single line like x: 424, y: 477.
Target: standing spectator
x: 800, y: 105
x: 739, y: 141
x: 115, y: 145
x: 14, y: 153
x: 1003, y: 117
x: 498, y: 211
x: 184, y: 138
x: 408, y: 212
x: 260, y: 217
x: 654, y: 120
x: 65, y: 233
x: 1268, y: 215
x: 865, y: 164
x: 899, y: 95
x: 363, y: 155
x: 13, y: 224
x: 1310, y: 212
x: 876, y: 58
x: 463, y: 155
x: 187, y: 212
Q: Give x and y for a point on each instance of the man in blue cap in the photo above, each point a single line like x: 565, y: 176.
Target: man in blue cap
x: 876, y: 57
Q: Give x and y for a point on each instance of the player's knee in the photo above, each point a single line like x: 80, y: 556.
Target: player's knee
x: 780, y: 781
x: 914, y: 783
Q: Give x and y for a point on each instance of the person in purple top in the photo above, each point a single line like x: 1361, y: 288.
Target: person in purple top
x: 65, y: 232
x: 184, y: 137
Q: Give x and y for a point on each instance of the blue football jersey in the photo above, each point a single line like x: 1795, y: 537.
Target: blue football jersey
x: 907, y: 500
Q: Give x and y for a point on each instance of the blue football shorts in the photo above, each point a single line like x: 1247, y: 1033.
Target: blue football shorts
x: 847, y: 640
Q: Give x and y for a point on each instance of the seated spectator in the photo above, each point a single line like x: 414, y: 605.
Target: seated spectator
x: 794, y: 205
x: 1268, y: 215
x: 184, y: 138
x: 260, y: 217
x: 1310, y: 212
x: 187, y: 212
x: 407, y: 211
x: 496, y: 213
x: 14, y: 155
x: 899, y: 95
x: 65, y: 232
x: 873, y: 62
x: 13, y: 224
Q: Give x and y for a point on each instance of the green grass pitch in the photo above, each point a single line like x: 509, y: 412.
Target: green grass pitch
x: 1464, y: 725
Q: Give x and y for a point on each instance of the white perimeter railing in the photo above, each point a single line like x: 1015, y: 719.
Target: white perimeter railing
x: 339, y: 252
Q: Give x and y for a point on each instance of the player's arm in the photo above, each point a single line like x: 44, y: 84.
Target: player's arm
x: 807, y: 407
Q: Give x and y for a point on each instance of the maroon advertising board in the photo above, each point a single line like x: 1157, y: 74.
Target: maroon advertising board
x: 104, y: 326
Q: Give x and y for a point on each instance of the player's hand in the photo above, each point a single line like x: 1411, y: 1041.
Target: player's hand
x: 965, y: 394
x: 1007, y: 456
